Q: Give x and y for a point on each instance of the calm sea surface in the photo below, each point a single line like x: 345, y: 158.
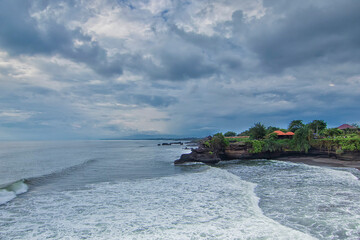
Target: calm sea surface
x: 132, y: 190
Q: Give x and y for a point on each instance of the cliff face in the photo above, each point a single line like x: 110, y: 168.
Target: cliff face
x: 241, y: 150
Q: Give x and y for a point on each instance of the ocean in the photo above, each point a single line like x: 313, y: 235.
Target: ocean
x: 132, y: 190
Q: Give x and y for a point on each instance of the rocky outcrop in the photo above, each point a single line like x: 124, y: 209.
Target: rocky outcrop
x: 202, y: 154
x: 194, y: 156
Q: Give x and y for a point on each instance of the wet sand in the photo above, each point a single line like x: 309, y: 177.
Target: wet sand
x: 330, y: 162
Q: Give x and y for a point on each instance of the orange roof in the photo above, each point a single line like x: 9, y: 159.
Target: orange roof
x: 279, y: 133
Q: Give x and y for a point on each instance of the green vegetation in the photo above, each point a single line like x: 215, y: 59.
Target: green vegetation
x: 315, y: 135
x: 295, y: 125
x: 270, y: 145
x: 257, y: 146
x: 337, y: 144
x: 317, y: 125
x: 331, y: 132
x: 301, y: 139
x: 258, y: 131
x: 230, y: 134
x: 217, y: 143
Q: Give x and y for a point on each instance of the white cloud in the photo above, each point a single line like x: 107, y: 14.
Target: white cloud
x: 15, y: 115
x: 202, y: 17
x: 25, y: 70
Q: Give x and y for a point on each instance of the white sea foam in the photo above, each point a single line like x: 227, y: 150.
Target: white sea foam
x: 213, y: 204
x: 11, y: 191
x: 6, y: 196
x: 322, y: 201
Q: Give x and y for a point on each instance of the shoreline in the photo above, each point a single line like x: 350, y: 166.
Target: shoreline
x: 319, y: 161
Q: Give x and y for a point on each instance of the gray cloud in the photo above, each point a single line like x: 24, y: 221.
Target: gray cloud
x: 22, y: 34
x: 89, y: 69
x: 156, y: 101
x: 308, y: 33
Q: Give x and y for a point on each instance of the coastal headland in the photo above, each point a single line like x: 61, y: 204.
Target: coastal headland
x: 242, y: 151
x: 334, y: 147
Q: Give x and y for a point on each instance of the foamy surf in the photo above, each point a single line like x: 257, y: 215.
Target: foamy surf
x: 319, y: 200
x: 213, y: 204
x: 9, y: 192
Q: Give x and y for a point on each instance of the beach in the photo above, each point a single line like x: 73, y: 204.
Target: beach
x: 317, y: 161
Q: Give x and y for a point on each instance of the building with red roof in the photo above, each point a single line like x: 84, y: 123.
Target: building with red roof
x: 281, y: 134
x: 346, y: 126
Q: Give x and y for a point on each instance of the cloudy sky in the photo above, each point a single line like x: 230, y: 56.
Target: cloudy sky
x: 109, y: 69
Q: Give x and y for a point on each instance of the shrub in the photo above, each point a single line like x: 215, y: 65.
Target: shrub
x: 230, y: 134
x: 272, y: 136
x: 257, y: 146
x: 271, y: 145
x: 331, y: 132
x: 334, y: 144
x: 218, y: 143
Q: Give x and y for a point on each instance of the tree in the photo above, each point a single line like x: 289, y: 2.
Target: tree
x: 331, y: 132
x: 317, y: 125
x: 244, y: 133
x: 258, y: 131
x: 230, y: 134
x: 295, y: 125
x: 301, y: 139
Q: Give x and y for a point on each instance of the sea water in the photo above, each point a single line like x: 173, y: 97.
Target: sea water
x: 132, y: 190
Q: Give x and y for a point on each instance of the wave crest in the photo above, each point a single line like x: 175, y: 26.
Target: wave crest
x: 10, y: 191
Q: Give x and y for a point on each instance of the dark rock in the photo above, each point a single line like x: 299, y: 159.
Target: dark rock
x: 198, y: 157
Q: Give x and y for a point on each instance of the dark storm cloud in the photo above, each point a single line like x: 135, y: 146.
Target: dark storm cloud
x: 308, y: 33
x: 22, y: 34
x: 155, y: 101
x: 175, y: 64
x: 221, y: 50
x: 183, y: 66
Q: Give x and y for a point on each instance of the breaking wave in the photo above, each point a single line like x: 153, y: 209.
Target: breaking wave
x: 9, y: 192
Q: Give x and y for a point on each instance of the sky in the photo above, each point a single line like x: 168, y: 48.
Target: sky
x: 91, y: 69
